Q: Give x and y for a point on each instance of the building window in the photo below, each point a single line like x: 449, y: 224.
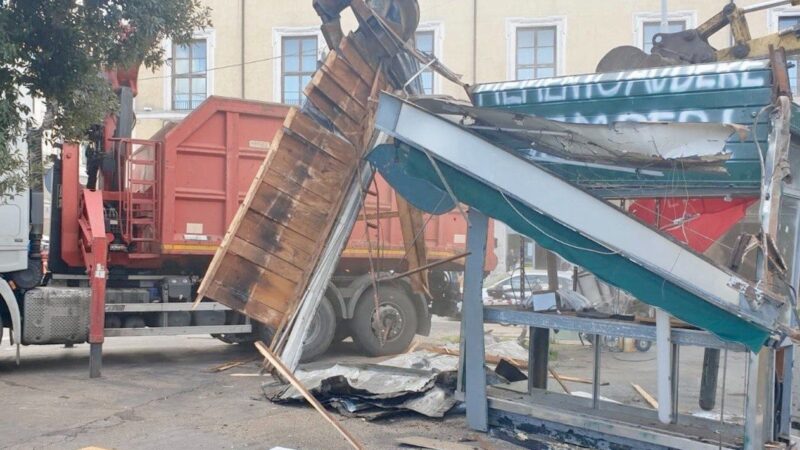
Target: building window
x: 652, y: 27
x: 786, y: 22
x: 298, y: 64
x: 189, y: 74
x: 425, y: 44
x: 535, y: 53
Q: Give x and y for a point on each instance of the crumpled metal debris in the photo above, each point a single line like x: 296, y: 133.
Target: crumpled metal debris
x: 420, y: 382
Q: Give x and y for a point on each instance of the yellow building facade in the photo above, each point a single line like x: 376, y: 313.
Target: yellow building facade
x: 267, y: 49
x: 483, y: 40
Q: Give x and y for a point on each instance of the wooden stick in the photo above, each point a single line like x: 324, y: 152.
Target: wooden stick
x: 425, y: 267
x: 284, y: 371
x: 647, y: 397
x: 232, y: 364
x: 555, y: 375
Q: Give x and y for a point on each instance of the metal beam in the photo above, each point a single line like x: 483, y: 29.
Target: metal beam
x: 605, y: 327
x: 472, y: 359
x: 178, y: 331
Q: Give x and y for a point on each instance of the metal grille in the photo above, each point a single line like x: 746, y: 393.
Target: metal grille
x: 56, y: 316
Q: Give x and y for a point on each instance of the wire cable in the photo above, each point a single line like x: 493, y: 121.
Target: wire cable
x: 522, y: 216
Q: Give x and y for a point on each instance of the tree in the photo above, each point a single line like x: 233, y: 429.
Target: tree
x: 56, y: 50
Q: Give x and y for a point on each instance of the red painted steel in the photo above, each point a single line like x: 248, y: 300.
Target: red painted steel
x: 209, y: 161
x: 94, y: 250
x: 697, y: 222
x: 70, y: 201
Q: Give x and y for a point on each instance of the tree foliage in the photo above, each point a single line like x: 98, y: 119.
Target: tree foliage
x: 56, y: 50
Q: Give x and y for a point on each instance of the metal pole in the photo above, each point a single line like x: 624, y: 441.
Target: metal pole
x: 664, y: 366
x: 664, y: 16
x: 674, y: 381
x: 539, y: 351
x: 472, y: 308
x: 596, y: 373
x: 708, y: 380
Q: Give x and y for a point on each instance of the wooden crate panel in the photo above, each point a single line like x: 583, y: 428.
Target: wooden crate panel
x: 306, y: 129
x: 275, y: 238
x: 291, y: 212
x: 275, y: 241
x: 259, y: 257
x: 279, y: 182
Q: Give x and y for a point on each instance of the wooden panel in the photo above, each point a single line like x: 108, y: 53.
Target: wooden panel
x: 279, y: 182
x: 304, y: 128
x: 346, y: 77
x: 257, y: 256
x: 275, y: 241
x: 291, y: 212
x: 275, y: 238
x: 351, y: 129
x: 313, y: 171
x: 354, y: 109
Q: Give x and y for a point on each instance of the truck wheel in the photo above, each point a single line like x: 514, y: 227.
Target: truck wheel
x: 398, y: 322
x: 320, y: 333
x: 342, y: 331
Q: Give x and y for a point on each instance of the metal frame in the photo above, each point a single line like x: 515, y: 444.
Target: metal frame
x: 613, y: 229
x: 597, y: 422
x: 176, y: 331
x: 615, y: 328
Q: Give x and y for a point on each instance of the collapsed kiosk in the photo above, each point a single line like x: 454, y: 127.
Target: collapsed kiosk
x: 505, y: 160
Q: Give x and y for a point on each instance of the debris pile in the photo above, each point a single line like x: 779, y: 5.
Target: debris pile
x: 418, y: 382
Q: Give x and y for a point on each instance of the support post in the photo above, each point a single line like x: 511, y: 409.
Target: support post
x: 755, y: 399
x: 539, y: 344
x: 596, y: 372
x: 664, y: 366
x: 472, y: 363
x: 538, y: 357
x: 708, y: 380
x: 674, y: 380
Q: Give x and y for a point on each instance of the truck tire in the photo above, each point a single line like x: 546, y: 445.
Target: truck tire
x: 398, y: 317
x: 320, y: 333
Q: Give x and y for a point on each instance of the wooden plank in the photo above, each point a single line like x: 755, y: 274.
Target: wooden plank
x: 232, y: 364
x: 275, y: 238
x: 313, y: 171
x: 354, y: 108
x: 351, y: 129
x: 239, y: 300
x: 311, y: 155
x: 275, y: 180
x: 645, y: 395
x: 365, y: 70
x: 264, y: 260
x: 290, y: 212
x: 257, y: 284
x: 219, y: 256
x: 344, y: 75
x: 560, y: 380
x: 288, y: 375
x: 310, y: 131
